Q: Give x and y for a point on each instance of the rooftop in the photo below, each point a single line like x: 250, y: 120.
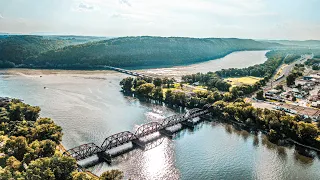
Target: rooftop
x: 302, y: 110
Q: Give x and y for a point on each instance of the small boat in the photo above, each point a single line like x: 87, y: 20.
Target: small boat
x: 44, y: 87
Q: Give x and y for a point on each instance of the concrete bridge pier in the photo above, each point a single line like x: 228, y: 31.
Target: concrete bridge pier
x: 103, y: 156
x: 188, y: 124
x: 206, y: 117
x: 166, y: 132
x: 139, y: 143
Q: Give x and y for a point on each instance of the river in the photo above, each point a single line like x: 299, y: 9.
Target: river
x: 89, y: 106
x: 238, y: 59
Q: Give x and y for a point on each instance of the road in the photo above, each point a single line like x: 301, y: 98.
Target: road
x: 286, y: 71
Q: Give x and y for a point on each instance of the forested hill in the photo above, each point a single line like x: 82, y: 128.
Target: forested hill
x: 17, y: 48
x: 37, y: 51
x: 144, y: 51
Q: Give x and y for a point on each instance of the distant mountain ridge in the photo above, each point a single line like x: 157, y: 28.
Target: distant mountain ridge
x: 305, y: 43
x: 90, y: 52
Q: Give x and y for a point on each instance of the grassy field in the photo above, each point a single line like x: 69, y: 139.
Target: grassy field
x: 250, y: 80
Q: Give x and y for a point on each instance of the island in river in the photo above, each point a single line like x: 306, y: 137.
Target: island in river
x: 89, y: 106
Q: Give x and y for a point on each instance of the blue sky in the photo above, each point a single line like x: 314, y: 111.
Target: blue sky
x: 257, y: 19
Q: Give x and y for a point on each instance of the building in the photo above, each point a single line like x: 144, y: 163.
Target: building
x: 272, y: 92
x: 316, y: 104
x: 305, y: 112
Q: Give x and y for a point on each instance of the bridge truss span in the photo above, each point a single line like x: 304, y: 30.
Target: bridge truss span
x: 147, y: 129
x: 171, y: 120
x: 118, y: 139
x: 84, y: 151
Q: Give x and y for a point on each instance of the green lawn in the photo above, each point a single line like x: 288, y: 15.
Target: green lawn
x: 250, y: 80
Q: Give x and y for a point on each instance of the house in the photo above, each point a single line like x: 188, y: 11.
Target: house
x: 298, y: 94
x: 304, y: 112
x: 300, y: 82
x: 273, y: 91
x: 316, y: 104
x: 314, y: 98
x: 196, y: 84
x: 307, y: 77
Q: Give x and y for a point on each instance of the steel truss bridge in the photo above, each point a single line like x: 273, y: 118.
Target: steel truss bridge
x: 86, y: 150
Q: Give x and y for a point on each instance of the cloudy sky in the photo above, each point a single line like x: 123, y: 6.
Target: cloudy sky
x: 258, y: 19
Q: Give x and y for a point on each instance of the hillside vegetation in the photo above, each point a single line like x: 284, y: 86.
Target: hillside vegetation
x: 121, y: 52
x: 15, y: 49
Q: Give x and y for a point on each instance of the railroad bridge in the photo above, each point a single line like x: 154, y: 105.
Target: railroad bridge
x: 86, y: 150
x: 125, y: 71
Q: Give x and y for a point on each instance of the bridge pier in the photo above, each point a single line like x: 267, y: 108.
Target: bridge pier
x: 206, y: 117
x: 188, y: 124
x: 166, y: 132
x: 103, y: 156
x: 139, y: 143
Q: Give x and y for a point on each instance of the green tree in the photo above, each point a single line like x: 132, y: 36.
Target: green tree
x: 45, y: 128
x: 56, y: 167
x: 126, y: 84
x: 307, y: 130
x: 157, y: 82
x: 279, y: 87
x: 80, y: 176
x: 145, y: 89
x: 31, y: 113
x: 112, y: 175
x: 16, y: 146
x: 39, y: 149
x: 227, y: 96
x: 13, y: 163
x: 260, y: 95
x: 140, y: 82
x: 169, y: 96
x: 158, y: 93
x: 290, y: 79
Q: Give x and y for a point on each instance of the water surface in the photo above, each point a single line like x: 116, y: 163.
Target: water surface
x: 89, y: 106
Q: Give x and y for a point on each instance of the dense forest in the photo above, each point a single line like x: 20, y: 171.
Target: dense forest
x: 48, y: 52
x: 29, y: 147
x: 15, y: 49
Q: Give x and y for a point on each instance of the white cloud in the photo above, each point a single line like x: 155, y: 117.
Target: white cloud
x: 83, y: 7
x: 125, y: 2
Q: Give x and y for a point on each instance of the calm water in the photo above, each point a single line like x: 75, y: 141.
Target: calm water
x: 239, y: 59
x: 89, y: 106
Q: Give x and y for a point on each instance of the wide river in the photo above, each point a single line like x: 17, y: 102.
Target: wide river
x: 89, y: 106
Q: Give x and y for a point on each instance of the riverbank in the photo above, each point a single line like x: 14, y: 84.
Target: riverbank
x: 237, y: 59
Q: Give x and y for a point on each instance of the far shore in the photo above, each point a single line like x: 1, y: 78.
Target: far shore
x: 238, y: 59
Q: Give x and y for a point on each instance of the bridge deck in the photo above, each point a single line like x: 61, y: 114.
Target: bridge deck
x: 133, y: 73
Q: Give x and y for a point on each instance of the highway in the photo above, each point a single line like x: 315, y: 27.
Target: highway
x: 286, y: 71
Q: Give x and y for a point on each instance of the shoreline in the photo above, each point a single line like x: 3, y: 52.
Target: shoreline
x: 139, y: 67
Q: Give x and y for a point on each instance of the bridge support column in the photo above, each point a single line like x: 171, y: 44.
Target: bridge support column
x: 139, y: 143
x: 166, y: 132
x: 103, y: 156
x: 188, y: 124
x: 206, y: 117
